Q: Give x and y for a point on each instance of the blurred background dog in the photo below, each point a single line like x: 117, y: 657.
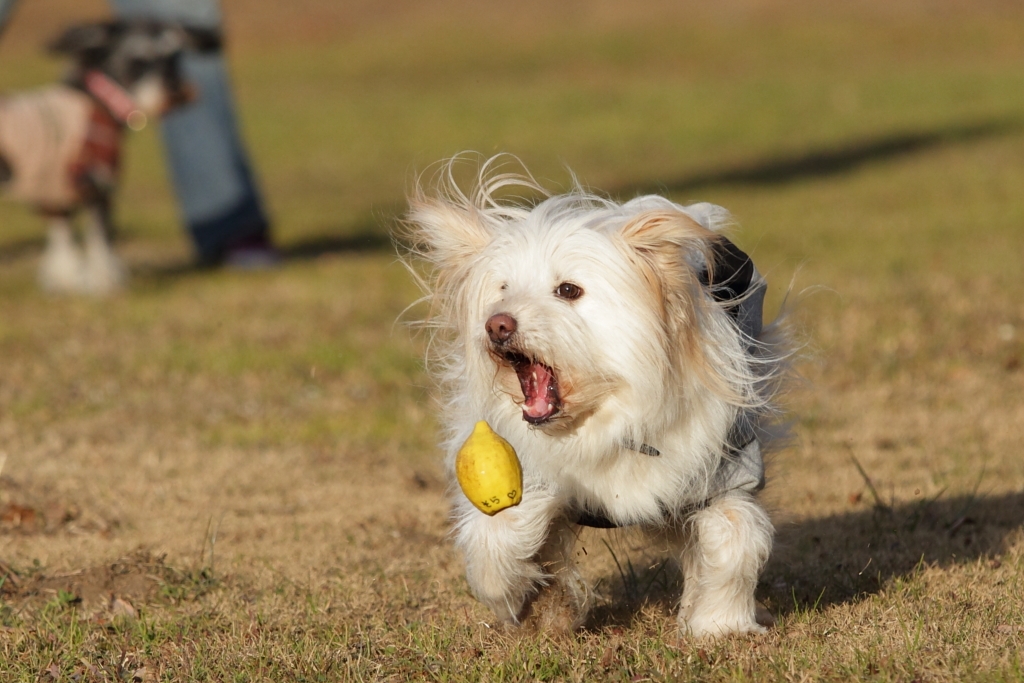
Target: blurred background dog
x: 60, y: 145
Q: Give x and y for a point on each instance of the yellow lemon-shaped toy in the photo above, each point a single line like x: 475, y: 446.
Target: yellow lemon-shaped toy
x: 489, y: 471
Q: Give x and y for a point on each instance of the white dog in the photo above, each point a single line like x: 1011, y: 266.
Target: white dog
x: 619, y: 349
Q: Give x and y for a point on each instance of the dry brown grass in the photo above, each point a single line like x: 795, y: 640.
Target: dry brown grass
x: 220, y: 476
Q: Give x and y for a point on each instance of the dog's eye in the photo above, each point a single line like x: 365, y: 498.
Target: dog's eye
x: 568, y: 291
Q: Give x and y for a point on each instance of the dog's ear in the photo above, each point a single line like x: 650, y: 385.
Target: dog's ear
x: 88, y: 42
x: 690, y: 270
x: 672, y: 247
x: 669, y: 249
x: 444, y: 233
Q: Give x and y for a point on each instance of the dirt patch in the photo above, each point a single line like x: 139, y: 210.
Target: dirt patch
x: 25, y: 519
x: 24, y: 510
x: 135, y: 578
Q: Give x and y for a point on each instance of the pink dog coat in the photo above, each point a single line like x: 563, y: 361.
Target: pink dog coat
x: 62, y: 147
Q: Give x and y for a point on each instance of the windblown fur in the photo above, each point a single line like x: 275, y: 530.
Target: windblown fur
x: 587, y: 333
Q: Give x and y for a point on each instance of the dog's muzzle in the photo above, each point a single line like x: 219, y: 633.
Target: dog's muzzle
x: 541, y: 399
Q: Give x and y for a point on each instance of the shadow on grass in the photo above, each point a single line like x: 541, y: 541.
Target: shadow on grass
x: 361, y: 239
x: 829, y: 161
x: 838, y: 558
x: 364, y: 240
x: 841, y: 558
x: 17, y: 249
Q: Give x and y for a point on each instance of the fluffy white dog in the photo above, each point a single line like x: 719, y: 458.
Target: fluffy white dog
x: 619, y: 349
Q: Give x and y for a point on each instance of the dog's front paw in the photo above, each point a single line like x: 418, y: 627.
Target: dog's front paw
x: 560, y: 607
x: 705, y: 623
x: 62, y: 268
x: 714, y: 629
x: 504, y: 588
x: 103, y: 273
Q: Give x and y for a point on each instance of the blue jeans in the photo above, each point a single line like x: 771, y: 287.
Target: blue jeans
x: 217, y: 194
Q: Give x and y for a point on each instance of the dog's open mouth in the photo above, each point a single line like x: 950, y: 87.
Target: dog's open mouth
x: 540, y: 387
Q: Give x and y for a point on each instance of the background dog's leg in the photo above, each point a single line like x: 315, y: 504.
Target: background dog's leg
x: 564, y: 601
x: 104, y: 271
x: 728, y: 544
x: 61, y: 268
x: 501, y: 551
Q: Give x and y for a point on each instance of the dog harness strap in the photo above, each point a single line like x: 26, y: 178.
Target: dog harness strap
x: 642, y: 448
x: 110, y: 94
x: 599, y: 521
x: 94, y: 171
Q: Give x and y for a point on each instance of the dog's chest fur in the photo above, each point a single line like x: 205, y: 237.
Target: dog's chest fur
x: 599, y: 471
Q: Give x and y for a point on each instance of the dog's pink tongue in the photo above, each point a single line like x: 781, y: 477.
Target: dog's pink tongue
x: 540, y: 391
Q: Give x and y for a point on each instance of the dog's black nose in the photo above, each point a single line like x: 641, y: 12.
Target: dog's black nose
x: 500, y: 327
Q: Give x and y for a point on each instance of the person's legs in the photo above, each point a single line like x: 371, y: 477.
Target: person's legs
x: 219, y: 200
x: 6, y: 8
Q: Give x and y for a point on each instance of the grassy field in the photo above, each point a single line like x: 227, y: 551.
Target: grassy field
x: 232, y: 477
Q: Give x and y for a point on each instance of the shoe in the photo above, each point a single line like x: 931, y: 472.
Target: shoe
x: 254, y: 252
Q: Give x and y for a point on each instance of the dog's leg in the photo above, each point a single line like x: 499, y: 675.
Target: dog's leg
x: 104, y: 271
x: 501, y: 551
x: 61, y: 268
x: 728, y: 544
x: 564, y: 600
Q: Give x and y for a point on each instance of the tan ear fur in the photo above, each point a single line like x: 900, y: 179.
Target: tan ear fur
x: 661, y: 241
x: 443, y: 233
x: 447, y: 235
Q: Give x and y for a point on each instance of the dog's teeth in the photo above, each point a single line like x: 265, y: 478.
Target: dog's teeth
x: 551, y: 407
